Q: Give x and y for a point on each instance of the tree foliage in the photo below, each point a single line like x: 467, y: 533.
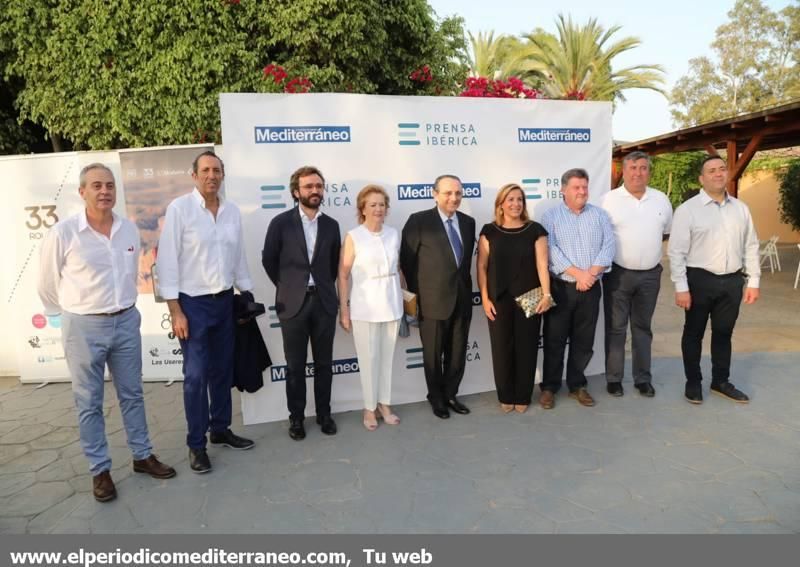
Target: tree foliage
x: 676, y: 174
x: 578, y: 62
x: 754, y: 66
x: 790, y: 195
x: 134, y: 73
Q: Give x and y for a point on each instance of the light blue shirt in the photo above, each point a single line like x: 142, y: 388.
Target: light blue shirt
x: 582, y: 239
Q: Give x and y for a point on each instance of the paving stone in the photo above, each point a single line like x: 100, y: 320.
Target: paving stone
x: 25, y: 434
x: 11, y: 452
x: 558, y: 508
x: 590, y: 526
x: 10, y: 526
x: 454, y: 511
x: 8, y: 426
x: 784, y: 507
x: 35, y: 499
x: 43, y: 523
x: 753, y: 528
x: 56, y: 439
x: 116, y: 520
x: 504, y: 521
x: 12, y: 483
x: 30, y: 462
x: 638, y: 517
x: 60, y: 469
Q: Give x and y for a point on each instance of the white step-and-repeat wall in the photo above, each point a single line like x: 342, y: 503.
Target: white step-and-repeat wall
x: 401, y: 143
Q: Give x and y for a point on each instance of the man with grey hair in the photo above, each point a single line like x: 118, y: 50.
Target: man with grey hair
x: 641, y: 217
x: 581, y: 246
x: 436, y: 259
x: 89, y: 266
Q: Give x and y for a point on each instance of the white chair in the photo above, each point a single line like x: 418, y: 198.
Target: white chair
x: 769, y: 253
x: 797, y: 275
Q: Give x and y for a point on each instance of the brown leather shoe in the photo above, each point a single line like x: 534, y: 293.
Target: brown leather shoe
x: 103, y: 487
x: 583, y: 397
x: 547, y: 399
x: 155, y: 468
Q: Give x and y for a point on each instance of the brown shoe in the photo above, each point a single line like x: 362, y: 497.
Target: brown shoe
x: 547, y: 399
x: 152, y: 466
x: 103, y: 487
x: 583, y: 397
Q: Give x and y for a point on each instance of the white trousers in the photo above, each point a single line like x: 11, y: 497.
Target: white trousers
x: 375, y: 350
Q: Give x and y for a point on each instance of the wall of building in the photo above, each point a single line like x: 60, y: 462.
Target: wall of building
x: 759, y: 190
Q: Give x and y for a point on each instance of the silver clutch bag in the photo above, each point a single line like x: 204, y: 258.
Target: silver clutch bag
x: 529, y: 300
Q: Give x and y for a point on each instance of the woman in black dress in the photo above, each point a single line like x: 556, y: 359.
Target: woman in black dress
x: 512, y: 259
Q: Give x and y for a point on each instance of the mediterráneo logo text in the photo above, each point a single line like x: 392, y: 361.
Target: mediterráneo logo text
x: 555, y: 135
x: 341, y: 366
x: 301, y: 134
x: 412, y: 191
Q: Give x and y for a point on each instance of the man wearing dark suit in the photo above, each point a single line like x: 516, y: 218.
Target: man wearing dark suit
x: 301, y: 257
x: 436, y: 257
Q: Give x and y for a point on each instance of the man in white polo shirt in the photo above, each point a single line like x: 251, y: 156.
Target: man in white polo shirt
x: 89, y: 266
x: 641, y: 217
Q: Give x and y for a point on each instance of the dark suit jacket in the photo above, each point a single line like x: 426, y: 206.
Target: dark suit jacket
x: 429, y: 265
x: 285, y: 258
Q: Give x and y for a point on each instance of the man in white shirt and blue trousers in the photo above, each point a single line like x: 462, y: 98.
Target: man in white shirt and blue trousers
x: 641, y: 217
x: 713, y: 252
x: 201, y: 257
x: 89, y: 267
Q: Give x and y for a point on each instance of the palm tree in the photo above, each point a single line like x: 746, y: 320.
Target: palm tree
x: 578, y: 63
x: 489, y: 57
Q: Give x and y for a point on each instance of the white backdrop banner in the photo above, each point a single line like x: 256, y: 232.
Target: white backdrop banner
x: 403, y: 144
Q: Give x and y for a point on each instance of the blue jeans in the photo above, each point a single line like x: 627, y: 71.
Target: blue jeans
x: 207, y: 365
x: 91, y: 342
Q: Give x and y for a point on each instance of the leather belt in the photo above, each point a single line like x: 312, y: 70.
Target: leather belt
x: 217, y: 295
x: 114, y: 314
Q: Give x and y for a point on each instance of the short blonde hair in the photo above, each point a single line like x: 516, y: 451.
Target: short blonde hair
x: 361, y: 200
x: 502, y: 194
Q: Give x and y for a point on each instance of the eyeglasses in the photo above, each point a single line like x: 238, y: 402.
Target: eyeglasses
x: 310, y: 186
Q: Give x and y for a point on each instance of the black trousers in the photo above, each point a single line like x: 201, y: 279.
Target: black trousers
x: 630, y: 296
x: 719, y: 298
x: 314, y: 323
x: 515, y: 348
x: 574, y: 318
x: 444, y: 352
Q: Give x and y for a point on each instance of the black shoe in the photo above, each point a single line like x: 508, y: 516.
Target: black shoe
x: 229, y: 439
x: 728, y: 390
x: 693, y: 394
x: 199, y: 461
x: 296, y: 429
x: 457, y: 406
x: 615, y: 389
x: 646, y: 389
x: 326, y: 424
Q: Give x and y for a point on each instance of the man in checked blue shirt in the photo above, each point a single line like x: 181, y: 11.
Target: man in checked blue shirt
x: 581, y: 246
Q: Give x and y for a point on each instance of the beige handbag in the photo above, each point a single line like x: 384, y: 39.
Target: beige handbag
x: 409, y: 303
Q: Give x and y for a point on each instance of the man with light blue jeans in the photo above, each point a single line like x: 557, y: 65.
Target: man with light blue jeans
x: 89, y: 265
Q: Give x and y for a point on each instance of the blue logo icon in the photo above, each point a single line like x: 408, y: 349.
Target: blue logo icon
x: 408, y: 133
x: 342, y: 366
x: 301, y: 134
x: 414, y: 358
x: 270, y: 194
x: 414, y: 191
x: 554, y: 135
x: 531, y: 188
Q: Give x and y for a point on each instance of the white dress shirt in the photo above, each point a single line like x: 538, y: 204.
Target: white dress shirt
x: 84, y: 272
x: 310, y: 229
x: 639, y: 226
x: 717, y: 237
x: 198, y: 254
x: 445, y: 218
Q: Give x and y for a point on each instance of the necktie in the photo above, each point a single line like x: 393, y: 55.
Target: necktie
x: 455, y: 241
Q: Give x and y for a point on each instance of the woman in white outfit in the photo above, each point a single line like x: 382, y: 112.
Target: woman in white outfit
x: 372, y: 309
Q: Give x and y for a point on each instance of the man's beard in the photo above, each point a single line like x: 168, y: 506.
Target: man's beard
x: 307, y: 202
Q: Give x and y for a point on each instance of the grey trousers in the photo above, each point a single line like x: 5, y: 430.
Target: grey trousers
x: 629, y: 296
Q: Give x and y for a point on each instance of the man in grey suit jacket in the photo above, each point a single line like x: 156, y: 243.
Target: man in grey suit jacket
x: 436, y: 258
x: 301, y: 257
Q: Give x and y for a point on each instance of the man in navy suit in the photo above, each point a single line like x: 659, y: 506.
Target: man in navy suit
x: 301, y: 257
x: 436, y: 257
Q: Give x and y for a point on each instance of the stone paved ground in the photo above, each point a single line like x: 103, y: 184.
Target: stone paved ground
x: 627, y: 465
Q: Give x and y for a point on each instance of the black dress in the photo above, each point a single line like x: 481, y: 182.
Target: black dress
x: 514, y: 338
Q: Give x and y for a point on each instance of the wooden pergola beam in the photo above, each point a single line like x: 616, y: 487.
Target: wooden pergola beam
x: 744, y: 159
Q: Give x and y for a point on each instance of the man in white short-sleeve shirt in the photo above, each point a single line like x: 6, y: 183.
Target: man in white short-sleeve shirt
x: 641, y: 217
